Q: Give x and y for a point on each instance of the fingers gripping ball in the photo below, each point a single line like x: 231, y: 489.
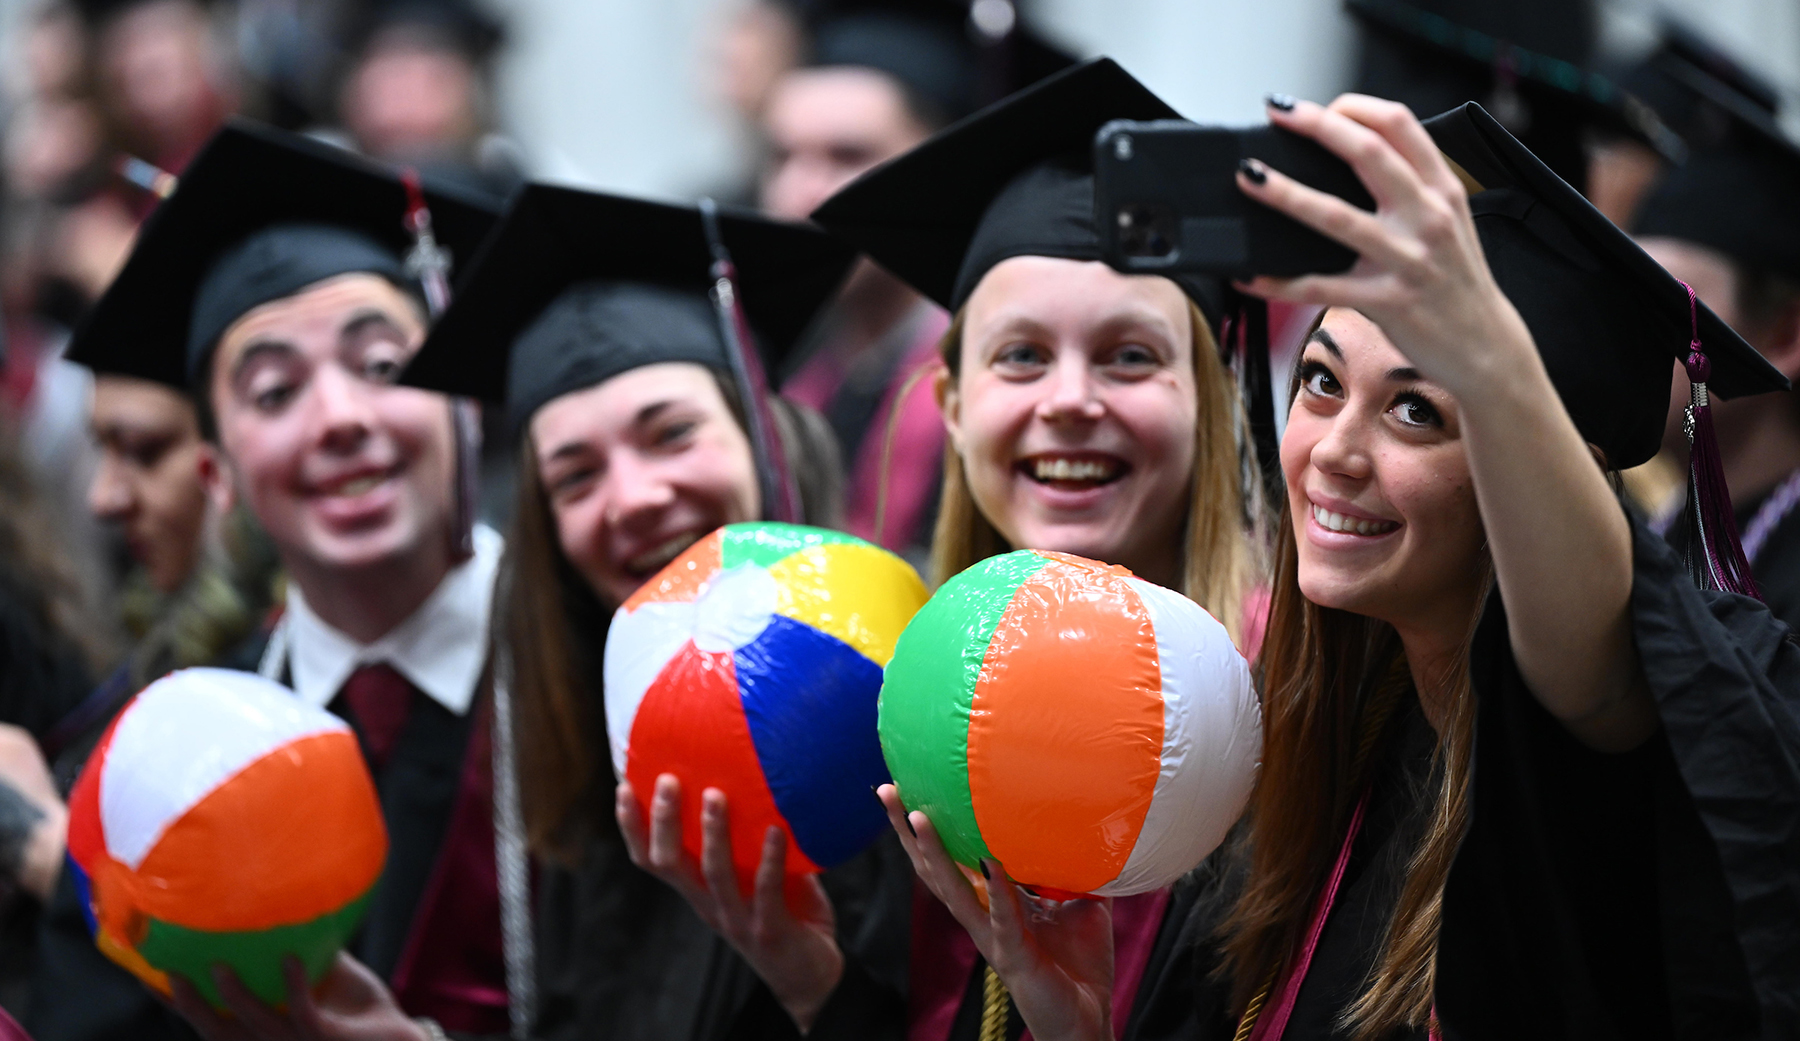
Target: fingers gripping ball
x: 220, y: 819
x: 1094, y: 733
x: 752, y: 664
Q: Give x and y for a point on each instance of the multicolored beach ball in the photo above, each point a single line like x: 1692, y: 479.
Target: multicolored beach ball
x: 1093, y: 732
x: 222, y: 820
x: 752, y: 664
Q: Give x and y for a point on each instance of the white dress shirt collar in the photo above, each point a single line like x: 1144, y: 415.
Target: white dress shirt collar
x: 440, y: 648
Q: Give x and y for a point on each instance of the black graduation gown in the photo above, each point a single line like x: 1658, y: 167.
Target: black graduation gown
x: 1700, y: 922
x: 1777, y: 565
x: 1650, y: 894
x: 1180, y: 997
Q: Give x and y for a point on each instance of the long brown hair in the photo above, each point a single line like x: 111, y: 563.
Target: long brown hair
x: 1330, y: 680
x: 555, y: 627
x: 1219, y: 561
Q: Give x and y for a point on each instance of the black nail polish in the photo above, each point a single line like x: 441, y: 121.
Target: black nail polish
x: 908, y: 819
x: 1280, y: 102
x: 1254, y: 170
x: 982, y: 864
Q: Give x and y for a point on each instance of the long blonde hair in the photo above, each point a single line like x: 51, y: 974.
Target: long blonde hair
x: 1218, y: 560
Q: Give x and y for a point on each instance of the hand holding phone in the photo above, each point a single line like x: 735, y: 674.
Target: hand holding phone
x: 1166, y: 201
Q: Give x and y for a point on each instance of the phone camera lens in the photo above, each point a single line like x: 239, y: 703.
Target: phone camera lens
x: 1122, y: 148
x: 1145, y: 231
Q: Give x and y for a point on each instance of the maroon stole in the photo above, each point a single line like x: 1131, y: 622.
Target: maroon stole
x: 454, y: 966
x: 943, y: 956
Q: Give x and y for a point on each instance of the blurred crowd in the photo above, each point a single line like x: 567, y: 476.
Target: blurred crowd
x: 113, y: 567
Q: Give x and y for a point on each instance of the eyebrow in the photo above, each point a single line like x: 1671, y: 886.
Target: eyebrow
x: 257, y: 350
x: 1402, y: 374
x: 363, y: 320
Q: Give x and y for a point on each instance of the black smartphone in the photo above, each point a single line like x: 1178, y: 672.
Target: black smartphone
x: 1166, y: 200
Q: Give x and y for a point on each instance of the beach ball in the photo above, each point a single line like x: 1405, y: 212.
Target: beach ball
x: 220, y: 819
x: 1094, y: 733
x: 752, y: 664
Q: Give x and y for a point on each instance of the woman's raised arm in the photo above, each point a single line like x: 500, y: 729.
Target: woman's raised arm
x: 1560, y: 543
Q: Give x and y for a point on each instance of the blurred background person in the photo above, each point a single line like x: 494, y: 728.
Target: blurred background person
x: 418, y: 92
x: 877, y: 80
x: 1728, y: 224
x: 1693, y: 86
x: 47, y: 660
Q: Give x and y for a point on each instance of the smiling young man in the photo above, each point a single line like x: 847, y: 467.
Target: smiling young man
x: 277, y: 285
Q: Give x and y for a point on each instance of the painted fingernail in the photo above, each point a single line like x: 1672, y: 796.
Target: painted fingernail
x: 982, y: 864
x: 1254, y: 170
x: 1280, y: 102
x: 909, y: 825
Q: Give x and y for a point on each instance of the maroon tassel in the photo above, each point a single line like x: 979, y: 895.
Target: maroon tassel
x: 781, y: 493
x: 1716, y: 558
x: 430, y: 264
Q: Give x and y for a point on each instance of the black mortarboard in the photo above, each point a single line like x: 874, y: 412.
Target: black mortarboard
x: 576, y: 287
x: 1608, y: 320
x: 1739, y: 192
x: 1697, y: 89
x: 1015, y: 179
x: 258, y: 215
x: 934, y: 49
x: 1533, y: 55
x: 460, y: 25
x: 96, y: 13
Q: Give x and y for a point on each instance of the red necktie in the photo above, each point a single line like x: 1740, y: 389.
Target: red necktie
x: 380, y: 698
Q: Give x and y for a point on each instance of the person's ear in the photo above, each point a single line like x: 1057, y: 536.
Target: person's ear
x: 949, y: 402
x: 217, y: 477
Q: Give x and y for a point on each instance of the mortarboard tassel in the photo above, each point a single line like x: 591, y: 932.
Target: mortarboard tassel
x: 429, y: 263
x: 781, y: 496
x: 1715, y: 557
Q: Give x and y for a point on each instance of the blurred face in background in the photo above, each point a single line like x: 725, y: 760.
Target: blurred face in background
x: 825, y: 127
x: 158, y: 76
x: 149, y: 479
x: 759, y: 42
x: 411, y: 95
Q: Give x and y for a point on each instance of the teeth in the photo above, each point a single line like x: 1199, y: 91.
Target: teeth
x: 1062, y: 469
x: 1338, y: 522
x: 358, y: 486
x: 649, y: 560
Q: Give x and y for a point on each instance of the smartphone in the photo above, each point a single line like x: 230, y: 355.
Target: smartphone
x: 1166, y: 200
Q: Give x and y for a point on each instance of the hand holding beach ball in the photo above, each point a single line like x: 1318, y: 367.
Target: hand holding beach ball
x: 222, y: 820
x: 1094, y: 733
x: 752, y: 664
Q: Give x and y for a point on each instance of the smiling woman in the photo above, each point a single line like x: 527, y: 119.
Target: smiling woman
x: 610, y: 360
x: 1087, y: 412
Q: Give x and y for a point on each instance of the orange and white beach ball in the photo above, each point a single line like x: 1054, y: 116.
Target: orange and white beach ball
x: 220, y: 819
x: 1093, y: 732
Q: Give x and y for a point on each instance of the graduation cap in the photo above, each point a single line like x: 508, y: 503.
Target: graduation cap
x: 1529, y: 57
x: 96, y: 13
x: 459, y: 25
x: 1015, y: 179
x: 576, y: 287
x: 1698, y: 89
x: 1740, y: 193
x: 260, y: 214
x: 938, y: 50
x: 1607, y: 319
